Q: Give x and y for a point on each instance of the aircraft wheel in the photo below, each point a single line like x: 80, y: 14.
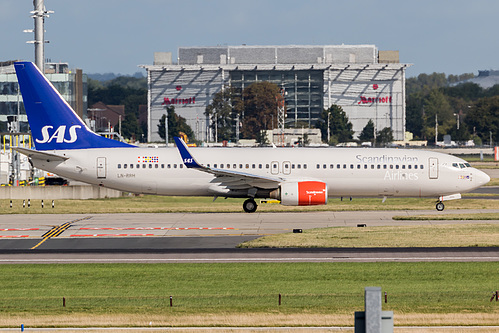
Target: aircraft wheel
x: 250, y: 205
x: 440, y: 206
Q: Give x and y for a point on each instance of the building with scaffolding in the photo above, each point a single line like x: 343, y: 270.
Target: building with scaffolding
x: 366, y: 83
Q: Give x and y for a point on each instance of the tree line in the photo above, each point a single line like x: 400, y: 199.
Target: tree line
x: 465, y: 111
x: 128, y: 91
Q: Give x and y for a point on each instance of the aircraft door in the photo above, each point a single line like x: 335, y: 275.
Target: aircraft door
x: 274, y: 167
x: 286, y: 168
x: 433, y: 167
x: 101, y: 167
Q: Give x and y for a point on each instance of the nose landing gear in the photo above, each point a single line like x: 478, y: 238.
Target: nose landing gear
x: 440, y: 206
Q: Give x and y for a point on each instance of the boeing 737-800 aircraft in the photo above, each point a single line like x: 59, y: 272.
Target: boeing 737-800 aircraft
x: 295, y: 176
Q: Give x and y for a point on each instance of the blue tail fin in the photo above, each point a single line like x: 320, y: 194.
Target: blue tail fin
x: 54, y: 125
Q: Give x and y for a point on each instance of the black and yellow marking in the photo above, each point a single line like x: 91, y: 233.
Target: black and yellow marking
x: 57, y: 230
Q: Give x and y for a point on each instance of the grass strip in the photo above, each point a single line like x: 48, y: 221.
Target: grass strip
x: 442, y: 235
x: 493, y: 182
x: 450, y: 217
x: 160, y: 204
x: 138, y: 293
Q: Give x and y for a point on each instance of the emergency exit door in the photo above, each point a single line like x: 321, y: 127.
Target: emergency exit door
x: 433, y: 167
x: 101, y: 167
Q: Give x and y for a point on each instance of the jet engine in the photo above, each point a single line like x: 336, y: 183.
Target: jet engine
x: 304, y: 193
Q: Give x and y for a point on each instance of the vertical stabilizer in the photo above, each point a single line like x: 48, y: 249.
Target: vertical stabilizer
x: 54, y: 125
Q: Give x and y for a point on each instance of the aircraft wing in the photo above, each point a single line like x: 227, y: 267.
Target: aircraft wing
x: 231, y: 179
x: 40, y: 155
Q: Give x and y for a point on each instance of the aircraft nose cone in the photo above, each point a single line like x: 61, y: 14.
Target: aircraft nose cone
x: 481, y: 178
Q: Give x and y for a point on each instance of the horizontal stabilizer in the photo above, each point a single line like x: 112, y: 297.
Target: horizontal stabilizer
x: 39, y: 155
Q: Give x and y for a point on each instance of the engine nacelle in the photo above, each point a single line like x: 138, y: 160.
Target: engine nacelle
x: 305, y: 193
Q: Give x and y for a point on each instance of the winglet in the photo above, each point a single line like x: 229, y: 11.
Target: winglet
x: 187, y: 158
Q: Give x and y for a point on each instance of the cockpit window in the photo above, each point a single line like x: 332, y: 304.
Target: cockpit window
x: 461, y: 165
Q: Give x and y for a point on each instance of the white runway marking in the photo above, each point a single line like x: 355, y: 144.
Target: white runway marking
x: 293, y: 259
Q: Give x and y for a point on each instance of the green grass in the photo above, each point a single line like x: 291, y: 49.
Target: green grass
x: 160, y: 204
x: 245, y: 288
x: 450, y: 217
x: 443, y: 235
x: 493, y: 182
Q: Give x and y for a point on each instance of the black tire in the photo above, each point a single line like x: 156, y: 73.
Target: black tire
x: 250, y: 206
x: 440, y: 206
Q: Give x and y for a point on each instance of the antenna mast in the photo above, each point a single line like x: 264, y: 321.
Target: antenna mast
x: 39, y: 14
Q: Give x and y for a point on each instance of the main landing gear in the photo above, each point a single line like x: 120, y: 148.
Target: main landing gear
x: 440, y: 206
x: 250, y: 205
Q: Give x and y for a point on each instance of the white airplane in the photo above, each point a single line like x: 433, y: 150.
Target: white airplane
x: 295, y: 176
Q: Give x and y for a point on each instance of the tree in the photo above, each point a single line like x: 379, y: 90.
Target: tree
x: 483, y: 117
x: 130, y: 128
x: 340, y: 129
x: 425, y: 83
x: 176, y: 125
x: 436, y: 103
x: 260, y: 109
x: 414, y: 114
x: 468, y: 91
x: 367, y: 134
x: 127, y: 91
x: 384, y: 136
x: 224, y: 111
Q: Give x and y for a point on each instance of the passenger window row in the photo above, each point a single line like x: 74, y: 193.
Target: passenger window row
x: 252, y: 166
x: 370, y: 166
x: 150, y: 166
x: 235, y: 166
x: 293, y: 166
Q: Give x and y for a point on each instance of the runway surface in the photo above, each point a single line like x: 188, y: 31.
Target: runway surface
x: 207, y: 237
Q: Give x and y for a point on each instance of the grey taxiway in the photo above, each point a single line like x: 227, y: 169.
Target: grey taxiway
x: 204, y: 237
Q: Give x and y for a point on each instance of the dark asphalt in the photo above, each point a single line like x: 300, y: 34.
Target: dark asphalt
x: 126, y: 244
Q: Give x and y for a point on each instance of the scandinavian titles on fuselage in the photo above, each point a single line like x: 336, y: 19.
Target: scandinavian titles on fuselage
x: 386, y: 159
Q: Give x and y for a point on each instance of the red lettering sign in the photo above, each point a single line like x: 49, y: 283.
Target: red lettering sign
x: 168, y: 101
x: 372, y: 100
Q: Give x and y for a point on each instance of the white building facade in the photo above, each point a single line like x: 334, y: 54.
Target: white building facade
x: 366, y: 83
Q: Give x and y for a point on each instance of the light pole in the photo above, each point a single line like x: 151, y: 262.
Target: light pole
x: 237, y: 128
x: 216, y: 127
x: 457, y: 119
x: 166, y: 127
x: 436, y: 129
x: 328, y: 127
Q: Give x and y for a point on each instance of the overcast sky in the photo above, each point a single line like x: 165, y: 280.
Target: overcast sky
x: 102, y: 36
